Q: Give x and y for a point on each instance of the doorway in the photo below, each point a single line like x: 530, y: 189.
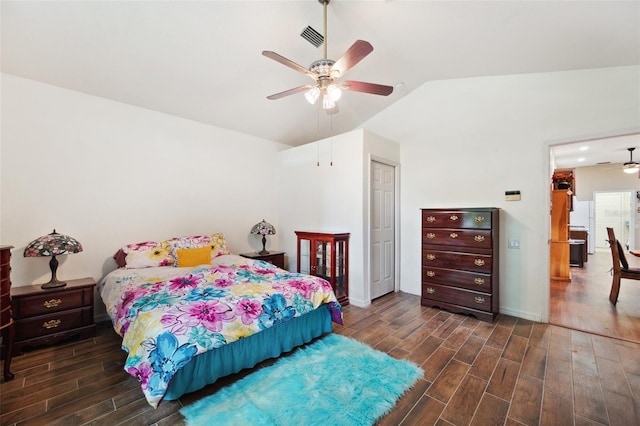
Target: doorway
x: 613, y: 209
x: 383, y: 233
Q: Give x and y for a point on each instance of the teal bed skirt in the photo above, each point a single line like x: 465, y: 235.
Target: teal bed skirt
x: 208, y: 367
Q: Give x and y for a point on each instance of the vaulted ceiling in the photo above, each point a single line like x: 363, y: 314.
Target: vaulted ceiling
x: 202, y: 60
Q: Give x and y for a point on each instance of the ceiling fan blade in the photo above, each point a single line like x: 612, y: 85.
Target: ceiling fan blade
x: 352, y: 56
x: 361, y: 86
x: 287, y: 62
x: 290, y: 92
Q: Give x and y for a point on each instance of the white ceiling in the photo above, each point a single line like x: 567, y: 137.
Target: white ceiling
x: 202, y: 60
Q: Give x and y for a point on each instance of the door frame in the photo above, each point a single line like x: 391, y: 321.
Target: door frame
x: 367, y: 225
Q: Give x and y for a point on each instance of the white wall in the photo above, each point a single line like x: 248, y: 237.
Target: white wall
x: 465, y: 142
x: 318, y: 196
x: 110, y: 174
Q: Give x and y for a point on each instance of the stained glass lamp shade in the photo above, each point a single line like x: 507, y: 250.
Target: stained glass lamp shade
x: 263, y: 228
x: 53, y: 245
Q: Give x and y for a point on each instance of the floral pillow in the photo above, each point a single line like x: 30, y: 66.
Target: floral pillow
x: 215, y: 241
x: 149, y: 254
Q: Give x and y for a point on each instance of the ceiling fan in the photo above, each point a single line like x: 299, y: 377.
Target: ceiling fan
x: 631, y: 166
x: 326, y: 74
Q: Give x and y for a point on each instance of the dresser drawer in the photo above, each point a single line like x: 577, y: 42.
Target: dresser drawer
x: 465, y: 261
x: 457, y: 296
x: 456, y: 219
x: 45, y: 303
x: 469, y: 238
x: 470, y: 280
x: 54, y: 323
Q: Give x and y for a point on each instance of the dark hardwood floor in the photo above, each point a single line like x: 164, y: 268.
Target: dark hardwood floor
x: 583, y: 304
x: 511, y: 372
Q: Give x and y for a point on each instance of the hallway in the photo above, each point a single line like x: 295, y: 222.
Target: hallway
x: 583, y: 304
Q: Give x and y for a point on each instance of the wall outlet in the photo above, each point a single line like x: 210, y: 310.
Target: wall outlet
x: 513, y: 244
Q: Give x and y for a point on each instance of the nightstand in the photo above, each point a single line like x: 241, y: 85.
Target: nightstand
x: 49, y: 316
x: 274, y: 257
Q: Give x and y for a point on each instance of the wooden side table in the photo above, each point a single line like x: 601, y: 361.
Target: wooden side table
x: 7, y: 325
x: 45, y: 316
x: 274, y: 257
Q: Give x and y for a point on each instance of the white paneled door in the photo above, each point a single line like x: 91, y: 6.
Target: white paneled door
x: 382, y: 229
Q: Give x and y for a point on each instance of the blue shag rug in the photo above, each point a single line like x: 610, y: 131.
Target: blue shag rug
x: 334, y: 381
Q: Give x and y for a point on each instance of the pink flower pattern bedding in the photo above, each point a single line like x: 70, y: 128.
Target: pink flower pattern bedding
x: 167, y: 315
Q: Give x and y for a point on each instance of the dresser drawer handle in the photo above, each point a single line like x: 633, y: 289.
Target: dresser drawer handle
x: 479, y: 281
x: 453, y: 217
x: 479, y: 238
x: 453, y: 235
x: 431, y: 219
x: 479, y: 219
x: 431, y: 274
x: 51, y: 324
x: 52, y: 303
x: 479, y: 299
x: 478, y: 262
x: 430, y: 290
x: 431, y: 235
x: 431, y: 256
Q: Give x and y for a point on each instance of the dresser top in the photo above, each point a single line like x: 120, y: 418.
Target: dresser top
x: 31, y: 290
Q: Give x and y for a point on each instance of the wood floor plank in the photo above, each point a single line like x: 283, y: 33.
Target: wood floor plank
x: 527, y: 400
x: 448, y: 381
x: 504, y: 379
x: 464, y: 401
x: 491, y: 411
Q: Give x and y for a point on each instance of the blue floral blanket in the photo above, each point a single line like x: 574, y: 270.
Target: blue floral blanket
x: 168, y: 315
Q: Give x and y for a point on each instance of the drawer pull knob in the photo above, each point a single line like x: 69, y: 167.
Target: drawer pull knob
x: 431, y: 235
x: 430, y: 290
x: 479, y: 238
x: 453, y: 235
x: 453, y: 217
x: 479, y: 262
x: 431, y: 274
x: 431, y: 256
x: 479, y: 299
x: 51, y: 324
x: 479, y: 281
x: 479, y: 219
x: 52, y: 303
x: 431, y: 219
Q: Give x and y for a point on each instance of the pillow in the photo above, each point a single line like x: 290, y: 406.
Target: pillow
x: 121, y: 258
x: 623, y: 259
x: 215, y: 242
x: 193, y: 256
x: 148, y: 254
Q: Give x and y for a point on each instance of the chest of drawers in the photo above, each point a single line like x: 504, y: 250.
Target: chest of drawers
x: 460, y: 260
x: 48, y: 316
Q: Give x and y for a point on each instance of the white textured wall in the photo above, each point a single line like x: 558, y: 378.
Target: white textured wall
x: 465, y: 142
x: 109, y: 174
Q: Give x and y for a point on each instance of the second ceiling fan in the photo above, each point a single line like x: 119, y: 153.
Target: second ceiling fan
x: 326, y: 74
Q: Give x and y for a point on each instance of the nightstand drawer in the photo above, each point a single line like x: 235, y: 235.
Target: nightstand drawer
x: 54, y: 323
x: 48, y: 303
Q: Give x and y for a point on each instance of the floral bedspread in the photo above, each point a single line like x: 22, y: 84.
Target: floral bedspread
x: 167, y: 315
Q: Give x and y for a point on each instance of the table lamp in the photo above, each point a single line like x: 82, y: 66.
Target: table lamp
x: 53, y: 245
x: 263, y: 228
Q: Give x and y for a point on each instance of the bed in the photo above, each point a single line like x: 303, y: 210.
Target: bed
x: 190, y: 312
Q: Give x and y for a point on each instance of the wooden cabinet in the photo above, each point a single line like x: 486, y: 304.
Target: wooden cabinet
x: 48, y: 316
x: 559, y: 248
x: 6, y: 319
x: 326, y: 255
x: 274, y: 257
x: 460, y: 253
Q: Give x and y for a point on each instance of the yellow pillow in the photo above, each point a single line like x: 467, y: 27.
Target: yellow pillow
x: 194, y: 256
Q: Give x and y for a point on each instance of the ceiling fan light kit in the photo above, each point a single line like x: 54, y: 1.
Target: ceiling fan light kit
x: 326, y: 72
x: 631, y: 166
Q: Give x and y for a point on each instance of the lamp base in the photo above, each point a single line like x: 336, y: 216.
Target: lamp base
x: 263, y: 252
x: 53, y: 284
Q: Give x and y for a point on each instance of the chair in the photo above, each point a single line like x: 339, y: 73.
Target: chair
x: 620, y: 266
